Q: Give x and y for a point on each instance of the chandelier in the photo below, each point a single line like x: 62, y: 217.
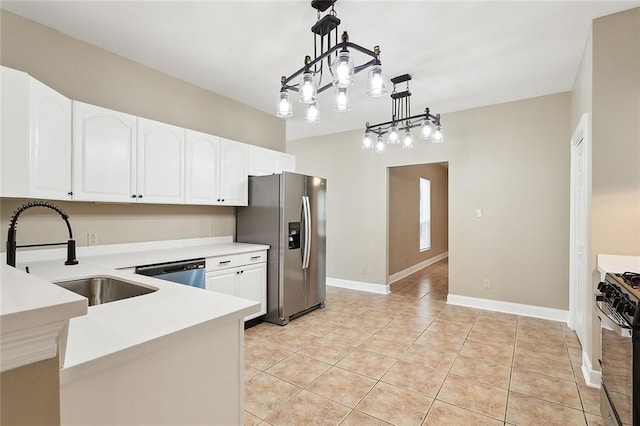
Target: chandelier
x: 339, y: 67
x: 398, y: 130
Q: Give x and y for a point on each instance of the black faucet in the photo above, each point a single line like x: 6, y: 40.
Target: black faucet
x: 11, y: 238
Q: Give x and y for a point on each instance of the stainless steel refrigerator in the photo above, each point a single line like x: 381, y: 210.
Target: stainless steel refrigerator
x: 287, y: 211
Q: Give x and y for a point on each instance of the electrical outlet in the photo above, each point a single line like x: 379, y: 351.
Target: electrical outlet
x: 92, y: 239
x: 487, y: 283
x: 212, y: 232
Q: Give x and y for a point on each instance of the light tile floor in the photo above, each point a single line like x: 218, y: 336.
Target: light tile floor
x: 408, y: 358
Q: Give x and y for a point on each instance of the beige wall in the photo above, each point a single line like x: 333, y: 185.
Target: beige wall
x: 404, y: 214
x: 615, y: 208
x: 511, y: 160
x: 89, y: 74
x: 117, y: 223
x: 30, y: 395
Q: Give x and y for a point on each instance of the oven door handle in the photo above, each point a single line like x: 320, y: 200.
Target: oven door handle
x: 608, y: 323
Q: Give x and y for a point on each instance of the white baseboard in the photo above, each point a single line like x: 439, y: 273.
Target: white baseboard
x: 509, y: 307
x: 358, y: 285
x: 591, y: 377
x: 415, y: 268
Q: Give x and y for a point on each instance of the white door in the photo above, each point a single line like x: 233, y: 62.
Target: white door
x: 252, y: 285
x: 234, y: 180
x: 223, y: 281
x: 104, y: 154
x: 261, y: 161
x: 160, y: 162
x: 50, y: 138
x: 202, y: 159
x: 580, y: 283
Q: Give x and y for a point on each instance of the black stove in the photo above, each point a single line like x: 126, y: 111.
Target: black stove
x: 618, y: 308
x: 620, y: 300
x: 630, y: 278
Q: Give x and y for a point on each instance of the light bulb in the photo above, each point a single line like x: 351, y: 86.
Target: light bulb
x: 394, y: 135
x: 312, y: 114
x: 343, y: 70
x: 377, y: 84
x: 307, y: 89
x: 341, y: 102
x: 438, y: 135
x: 284, y: 106
x: 380, y: 144
x: 427, y: 130
x: 407, y: 141
x: 367, y: 142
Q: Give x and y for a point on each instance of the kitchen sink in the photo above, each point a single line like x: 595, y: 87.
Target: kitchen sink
x: 101, y: 290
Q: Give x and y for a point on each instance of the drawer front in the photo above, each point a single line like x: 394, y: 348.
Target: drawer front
x: 222, y: 262
x: 253, y: 257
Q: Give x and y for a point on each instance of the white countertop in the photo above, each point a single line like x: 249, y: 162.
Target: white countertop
x: 617, y: 264
x: 114, y: 332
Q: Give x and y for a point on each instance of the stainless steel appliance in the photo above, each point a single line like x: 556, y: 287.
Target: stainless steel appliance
x: 188, y: 272
x: 617, y: 308
x: 287, y: 212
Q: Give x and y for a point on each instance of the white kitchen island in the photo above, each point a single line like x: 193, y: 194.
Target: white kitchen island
x: 173, y: 356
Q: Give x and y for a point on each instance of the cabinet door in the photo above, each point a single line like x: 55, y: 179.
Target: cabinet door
x: 284, y: 162
x: 252, y: 285
x: 14, y: 133
x: 223, y: 281
x: 234, y: 180
x: 160, y: 162
x: 50, y: 137
x: 261, y: 161
x: 202, y: 159
x: 104, y: 154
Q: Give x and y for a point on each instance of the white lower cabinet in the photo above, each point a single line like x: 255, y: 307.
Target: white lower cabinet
x: 248, y: 280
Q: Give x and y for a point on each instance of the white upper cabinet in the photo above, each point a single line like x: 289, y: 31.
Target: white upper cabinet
x: 264, y: 161
x: 261, y: 161
x: 35, y: 139
x: 160, y: 162
x: 104, y: 154
x: 284, y: 162
x: 234, y: 181
x: 216, y: 171
x: 202, y: 170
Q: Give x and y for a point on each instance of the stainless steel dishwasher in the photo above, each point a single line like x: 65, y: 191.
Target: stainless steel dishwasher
x: 188, y: 272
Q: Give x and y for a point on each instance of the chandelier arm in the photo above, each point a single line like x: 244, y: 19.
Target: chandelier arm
x: 326, y: 54
x: 389, y: 123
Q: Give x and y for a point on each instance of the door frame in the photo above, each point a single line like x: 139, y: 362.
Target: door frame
x: 580, y: 293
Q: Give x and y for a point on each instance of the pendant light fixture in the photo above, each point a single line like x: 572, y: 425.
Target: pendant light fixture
x: 398, y: 129
x: 339, y: 68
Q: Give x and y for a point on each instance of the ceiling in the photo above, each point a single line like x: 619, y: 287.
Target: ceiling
x: 461, y: 54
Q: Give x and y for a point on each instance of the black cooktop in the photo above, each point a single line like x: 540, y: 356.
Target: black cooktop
x: 630, y: 278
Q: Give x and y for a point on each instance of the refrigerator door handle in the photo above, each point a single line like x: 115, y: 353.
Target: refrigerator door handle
x: 306, y: 211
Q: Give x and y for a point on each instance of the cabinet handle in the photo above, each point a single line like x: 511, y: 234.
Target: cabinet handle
x: 255, y: 257
x: 219, y: 200
x: 222, y: 262
x: 242, y: 272
x: 133, y: 196
x: 139, y: 195
x: 237, y: 272
x: 70, y: 193
x: 222, y: 200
